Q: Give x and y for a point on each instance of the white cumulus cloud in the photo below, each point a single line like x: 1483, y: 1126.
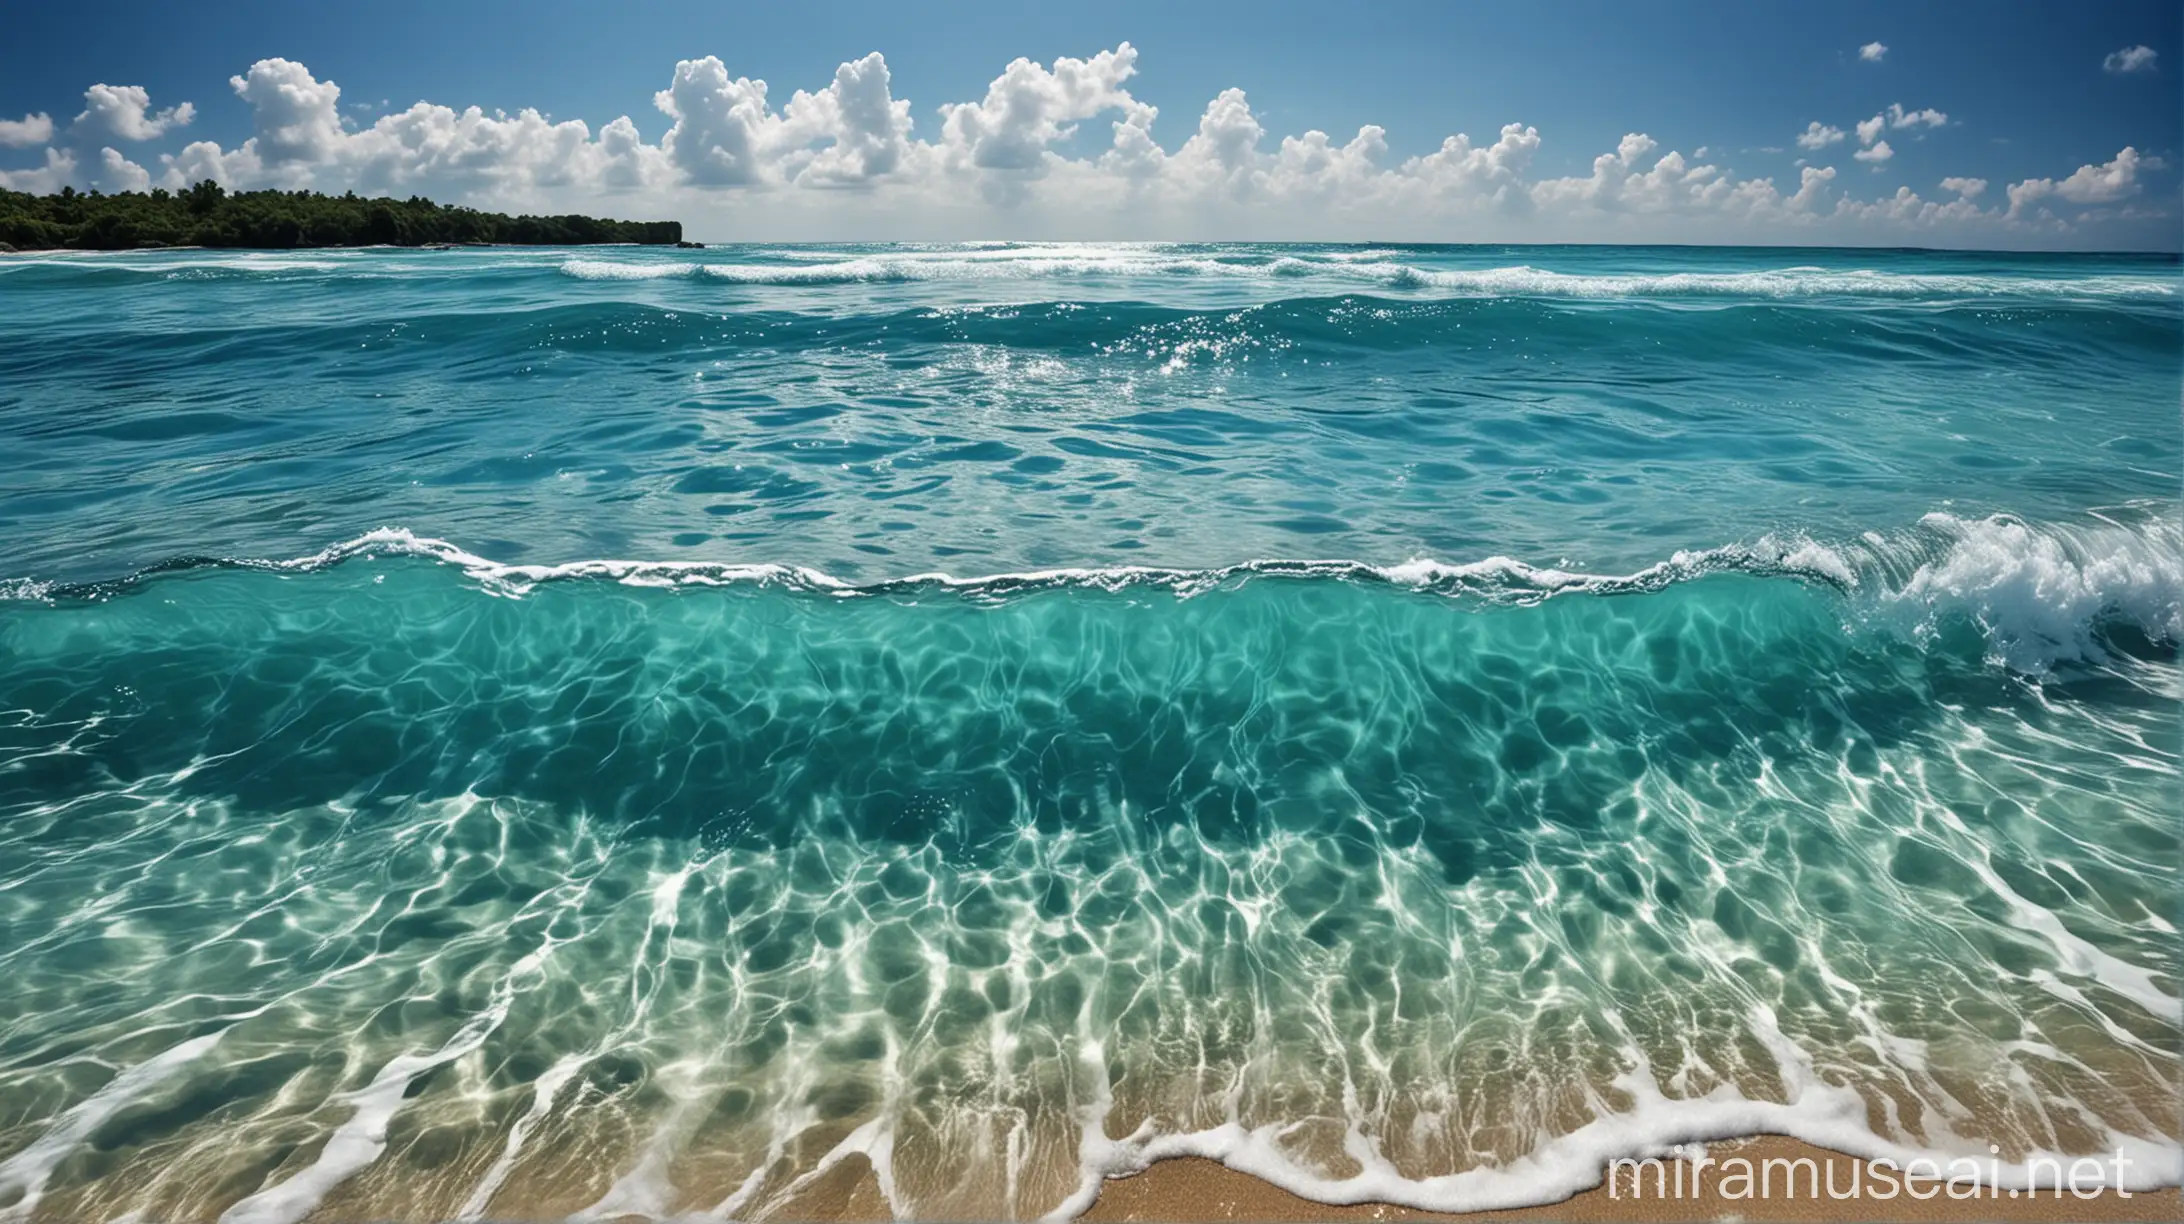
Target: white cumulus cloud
x: 300, y: 140
x: 1898, y: 117
x: 1869, y: 130
x: 1811, y: 186
x: 2130, y: 59
x: 1493, y: 173
x: 124, y: 112
x: 1906, y: 210
x: 58, y: 171
x: 2106, y: 183
x: 117, y: 173
x: 1624, y: 181
x: 467, y: 151
x: 721, y: 127
x: 34, y: 129
x: 2103, y: 184
x: 726, y: 134
x: 1873, y: 52
x: 1818, y: 135
x: 862, y: 131
x: 1006, y: 138
x: 1062, y: 148
x: 296, y: 115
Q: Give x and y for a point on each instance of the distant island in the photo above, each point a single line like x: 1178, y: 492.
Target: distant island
x: 207, y: 215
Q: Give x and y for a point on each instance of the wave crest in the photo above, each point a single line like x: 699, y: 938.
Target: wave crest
x: 2042, y: 595
x: 1334, y: 270
x: 1373, y: 270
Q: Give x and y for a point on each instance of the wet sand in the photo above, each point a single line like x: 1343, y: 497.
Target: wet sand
x: 1189, y: 1190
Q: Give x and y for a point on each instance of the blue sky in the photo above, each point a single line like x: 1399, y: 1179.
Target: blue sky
x: 2023, y: 87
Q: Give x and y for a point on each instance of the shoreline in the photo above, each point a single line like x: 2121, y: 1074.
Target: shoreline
x: 353, y: 246
x: 1195, y: 1188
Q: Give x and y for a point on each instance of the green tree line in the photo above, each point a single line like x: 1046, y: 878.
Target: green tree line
x: 208, y: 215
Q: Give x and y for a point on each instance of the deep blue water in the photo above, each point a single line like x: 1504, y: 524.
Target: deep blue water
x: 506, y: 733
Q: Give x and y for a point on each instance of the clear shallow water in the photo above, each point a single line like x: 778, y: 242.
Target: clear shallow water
x: 1737, y: 690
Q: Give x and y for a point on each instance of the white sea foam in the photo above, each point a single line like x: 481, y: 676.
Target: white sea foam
x: 1817, y: 1112
x: 27, y: 1171
x: 1336, y: 271
x: 543, y: 1094
x: 2044, y: 595
x: 1801, y: 282
x: 611, y: 269
x: 181, y: 269
x: 1498, y: 576
x: 1349, y: 271
x: 358, y: 1142
x: 2041, y: 593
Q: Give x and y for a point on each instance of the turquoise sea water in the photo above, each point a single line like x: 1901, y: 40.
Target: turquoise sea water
x: 506, y: 734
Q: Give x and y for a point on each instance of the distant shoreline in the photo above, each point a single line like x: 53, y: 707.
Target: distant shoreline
x: 208, y: 215
x: 7, y: 250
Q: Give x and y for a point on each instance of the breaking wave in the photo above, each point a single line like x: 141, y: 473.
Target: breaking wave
x: 2042, y: 595
x: 1362, y: 272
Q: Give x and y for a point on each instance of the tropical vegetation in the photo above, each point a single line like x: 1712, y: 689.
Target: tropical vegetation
x: 210, y: 216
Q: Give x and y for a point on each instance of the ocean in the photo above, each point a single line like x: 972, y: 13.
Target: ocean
x: 509, y: 734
